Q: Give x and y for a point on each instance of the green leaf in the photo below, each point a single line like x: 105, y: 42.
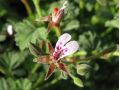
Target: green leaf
x: 72, y: 25
x: 26, y: 32
x: 24, y: 84
x: 83, y: 69
x: 2, y: 38
x: 89, y: 7
x: 102, y: 2
x: 3, y: 84
x: 2, y: 12
x: 112, y: 23
x: 78, y: 82
x: 64, y: 75
x: 11, y: 60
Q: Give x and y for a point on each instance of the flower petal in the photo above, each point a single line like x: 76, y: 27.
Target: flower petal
x: 10, y: 29
x: 69, y: 48
x: 63, y: 39
x: 50, y: 70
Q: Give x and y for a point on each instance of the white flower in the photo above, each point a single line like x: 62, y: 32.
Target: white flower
x: 10, y: 30
x: 65, y: 47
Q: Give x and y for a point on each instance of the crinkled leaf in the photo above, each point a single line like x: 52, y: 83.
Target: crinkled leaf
x: 11, y: 60
x: 26, y: 32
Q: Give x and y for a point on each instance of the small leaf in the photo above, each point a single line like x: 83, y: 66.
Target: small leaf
x: 83, y: 69
x: 64, y: 75
x: 78, y: 82
x: 26, y: 32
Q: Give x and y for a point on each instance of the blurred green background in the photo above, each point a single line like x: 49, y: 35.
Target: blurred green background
x: 93, y: 23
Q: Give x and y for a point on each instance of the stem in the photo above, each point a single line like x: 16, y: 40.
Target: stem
x: 103, y: 53
x: 50, y: 83
x: 57, y: 31
x: 37, y: 7
x: 35, y: 68
x: 39, y: 81
x: 27, y: 6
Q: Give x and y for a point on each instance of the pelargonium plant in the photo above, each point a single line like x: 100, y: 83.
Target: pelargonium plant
x: 64, y: 47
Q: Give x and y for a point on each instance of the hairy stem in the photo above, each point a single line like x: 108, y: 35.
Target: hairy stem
x: 37, y: 7
x: 27, y: 6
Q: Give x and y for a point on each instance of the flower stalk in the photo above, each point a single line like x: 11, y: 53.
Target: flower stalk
x: 28, y: 9
x: 37, y: 7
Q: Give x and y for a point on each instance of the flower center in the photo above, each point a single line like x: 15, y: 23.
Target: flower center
x: 59, y: 51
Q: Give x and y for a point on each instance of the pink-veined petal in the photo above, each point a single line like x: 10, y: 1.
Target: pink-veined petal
x: 70, y: 48
x: 63, y: 39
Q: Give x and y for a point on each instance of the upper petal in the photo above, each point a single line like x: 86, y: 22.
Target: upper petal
x: 70, y: 48
x: 63, y: 39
